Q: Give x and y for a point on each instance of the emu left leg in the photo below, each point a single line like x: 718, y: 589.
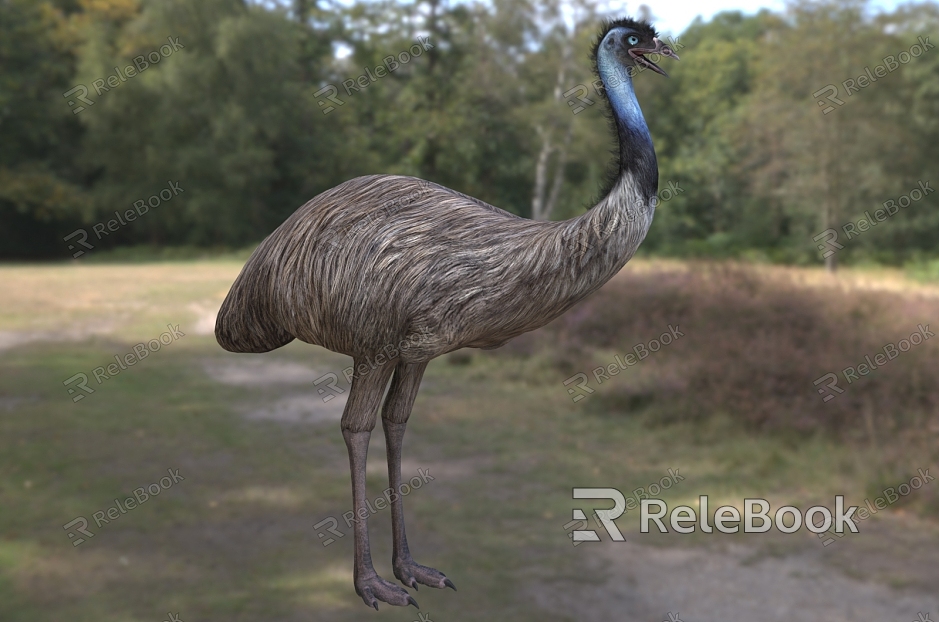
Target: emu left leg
x: 358, y: 419
x: 395, y: 413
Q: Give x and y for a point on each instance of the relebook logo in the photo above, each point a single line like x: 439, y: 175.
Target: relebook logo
x: 684, y: 519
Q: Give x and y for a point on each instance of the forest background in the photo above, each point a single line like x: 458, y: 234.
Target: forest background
x: 773, y: 129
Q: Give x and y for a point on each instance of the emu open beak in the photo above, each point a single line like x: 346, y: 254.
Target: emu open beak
x: 660, y: 48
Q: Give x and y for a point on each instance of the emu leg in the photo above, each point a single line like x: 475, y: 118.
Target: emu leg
x: 397, y: 409
x: 358, y: 419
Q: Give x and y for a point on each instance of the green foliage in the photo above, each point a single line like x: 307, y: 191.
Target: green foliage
x: 765, y: 168
x: 234, y: 118
x: 39, y: 183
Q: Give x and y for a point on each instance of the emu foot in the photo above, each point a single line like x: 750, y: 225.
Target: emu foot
x: 410, y: 573
x: 374, y: 589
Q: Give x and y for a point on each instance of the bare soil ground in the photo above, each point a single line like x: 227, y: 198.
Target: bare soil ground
x: 264, y: 462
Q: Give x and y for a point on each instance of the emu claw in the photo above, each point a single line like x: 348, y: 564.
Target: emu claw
x: 375, y: 588
x: 410, y: 573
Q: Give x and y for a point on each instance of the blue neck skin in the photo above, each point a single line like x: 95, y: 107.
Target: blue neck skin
x: 619, y: 88
x: 637, y: 155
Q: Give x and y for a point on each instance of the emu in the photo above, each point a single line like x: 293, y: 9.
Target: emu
x: 395, y: 271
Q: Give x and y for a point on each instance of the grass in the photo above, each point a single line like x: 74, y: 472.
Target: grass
x: 503, y: 440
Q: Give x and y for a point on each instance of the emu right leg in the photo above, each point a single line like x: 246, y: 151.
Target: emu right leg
x: 358, y: 419
x: 394, y: 420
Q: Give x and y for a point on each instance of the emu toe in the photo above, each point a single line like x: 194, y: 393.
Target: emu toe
x: 374, y: 589
x: 410, y: 573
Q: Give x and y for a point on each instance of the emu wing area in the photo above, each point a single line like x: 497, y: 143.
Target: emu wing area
x: 385, y: 263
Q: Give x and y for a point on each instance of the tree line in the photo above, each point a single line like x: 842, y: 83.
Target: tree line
x: 805, y: 136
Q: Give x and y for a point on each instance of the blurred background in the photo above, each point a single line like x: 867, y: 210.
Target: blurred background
x: 146, y: 147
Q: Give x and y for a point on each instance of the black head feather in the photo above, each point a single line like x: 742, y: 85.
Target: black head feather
x: 624, y: 156
x: 642, y: 28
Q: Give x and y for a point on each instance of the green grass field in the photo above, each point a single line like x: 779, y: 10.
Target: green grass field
x: 263, y: 461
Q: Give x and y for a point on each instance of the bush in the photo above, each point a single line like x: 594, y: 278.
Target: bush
x: 755, y: 340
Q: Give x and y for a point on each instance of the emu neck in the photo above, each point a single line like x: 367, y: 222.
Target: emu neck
x: 619, y: 221
x: 636, y: 153
x: 601, y: 241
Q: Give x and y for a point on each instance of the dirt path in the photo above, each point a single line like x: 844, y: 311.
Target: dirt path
x: 634, y: 582
x: 637, y: 581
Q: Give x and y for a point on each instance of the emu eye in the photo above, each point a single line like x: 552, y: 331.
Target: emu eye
x: 632, y: 40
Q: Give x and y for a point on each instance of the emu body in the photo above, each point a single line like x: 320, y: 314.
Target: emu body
x: 437, y: 267
x: 383, y: 259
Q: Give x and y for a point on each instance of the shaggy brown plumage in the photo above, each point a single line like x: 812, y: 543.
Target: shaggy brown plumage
x: 383, y: 260
x: 347, y: 273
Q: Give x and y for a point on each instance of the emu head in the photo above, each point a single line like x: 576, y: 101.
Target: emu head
x: 630, y: 42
